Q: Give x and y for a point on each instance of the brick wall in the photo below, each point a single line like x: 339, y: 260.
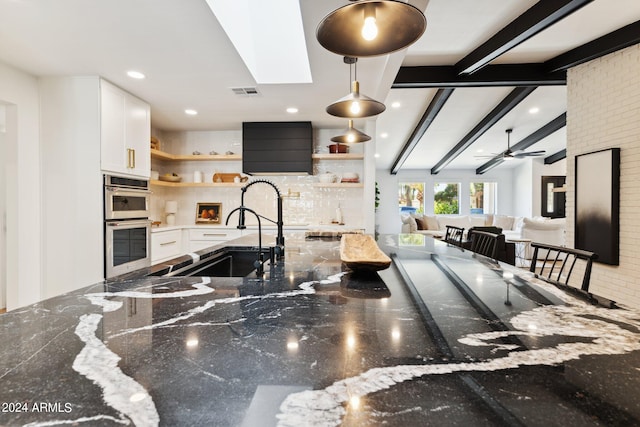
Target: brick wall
x: 603, y: 111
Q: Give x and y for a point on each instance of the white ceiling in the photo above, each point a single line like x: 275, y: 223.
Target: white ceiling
x: 190, y: 63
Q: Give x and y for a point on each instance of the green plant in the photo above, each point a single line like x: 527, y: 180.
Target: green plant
x: 446, y: 207
x: 377, y: 197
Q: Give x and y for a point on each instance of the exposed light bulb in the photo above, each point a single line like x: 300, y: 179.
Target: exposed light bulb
x: 355, y: 107
x: 351, y: 136
x: 369, y: 29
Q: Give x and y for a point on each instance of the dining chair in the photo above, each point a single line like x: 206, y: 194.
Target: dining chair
x: 485, y: 243
x: 555, y: 265
x: 454, y: 235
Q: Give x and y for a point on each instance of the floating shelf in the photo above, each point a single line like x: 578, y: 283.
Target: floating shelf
x: 196, y: 184
x: 161, y: 155
x: 340, y: 185
x: 337, y: 156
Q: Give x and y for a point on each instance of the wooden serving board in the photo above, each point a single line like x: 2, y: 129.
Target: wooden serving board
x: 361, y: 252
x: 225, y: 177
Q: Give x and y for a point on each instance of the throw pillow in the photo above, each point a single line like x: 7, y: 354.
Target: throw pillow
x: 503, y: 221
x: 432, y: 222
x: 411, y: 222
x: 421, y: 223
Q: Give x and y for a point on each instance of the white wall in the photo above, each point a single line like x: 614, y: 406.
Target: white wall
x: 527, y: 184
x: 603, y: 109
x: 72, y: 237
x: 23, y: 187
x: 539, y: 169
x: 388, y: 216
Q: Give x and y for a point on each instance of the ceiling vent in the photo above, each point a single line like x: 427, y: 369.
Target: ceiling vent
x: 245, y: 91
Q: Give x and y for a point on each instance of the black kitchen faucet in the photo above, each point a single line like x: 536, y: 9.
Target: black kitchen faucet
x: 278, y: 250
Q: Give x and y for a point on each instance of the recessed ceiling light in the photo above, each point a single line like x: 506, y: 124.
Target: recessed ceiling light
x: 376, y: 155
x: 190, y: 112
x: 384, y: 135
x: 135, y: 74
x: 479, y: 150
x: 534, y: 110
x: 292, y: 110
x: 395, y: 104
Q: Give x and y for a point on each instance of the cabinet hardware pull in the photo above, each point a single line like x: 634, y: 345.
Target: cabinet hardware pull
x: 168, y: 243
x: 131, y: 158
x: 214, y: 234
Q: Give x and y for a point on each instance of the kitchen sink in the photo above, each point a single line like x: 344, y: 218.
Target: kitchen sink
x: 232, y: 262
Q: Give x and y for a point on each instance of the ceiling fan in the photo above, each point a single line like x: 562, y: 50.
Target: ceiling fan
x: 508, y: 154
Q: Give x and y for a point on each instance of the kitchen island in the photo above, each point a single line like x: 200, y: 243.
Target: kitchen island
x: 441, y: 337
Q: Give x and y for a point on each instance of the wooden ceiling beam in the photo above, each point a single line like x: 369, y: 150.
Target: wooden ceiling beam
x: 507, y: 104
x: 538, y: 17
x: 537, y: 136
x: 549, y: 160
x: 626, y: 36
x: 436, y: 104
x: 490, y: 76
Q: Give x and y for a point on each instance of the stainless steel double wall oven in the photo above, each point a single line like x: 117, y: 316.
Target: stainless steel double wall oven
x: 127, y: 228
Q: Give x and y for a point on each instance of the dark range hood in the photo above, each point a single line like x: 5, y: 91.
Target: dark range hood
x: 277, y: 148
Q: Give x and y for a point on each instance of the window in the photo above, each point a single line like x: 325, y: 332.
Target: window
x: 483, y: 198
x: 411, y: 197
x: 446, y: 198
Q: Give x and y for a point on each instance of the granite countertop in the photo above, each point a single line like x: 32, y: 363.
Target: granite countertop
x: 439, y: 338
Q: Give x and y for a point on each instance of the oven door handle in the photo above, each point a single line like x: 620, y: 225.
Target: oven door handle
x: 126, y: 190
x: 129, y: 223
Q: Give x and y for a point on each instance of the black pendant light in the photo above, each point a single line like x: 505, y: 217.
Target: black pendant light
x: 355, y: 105
x: 351, y: 135
x: 371, y: 28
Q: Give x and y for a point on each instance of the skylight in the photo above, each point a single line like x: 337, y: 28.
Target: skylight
x: 269, y: 37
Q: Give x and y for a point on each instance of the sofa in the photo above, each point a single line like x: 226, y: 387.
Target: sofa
x: 436, y: 225
x: 537, y: 229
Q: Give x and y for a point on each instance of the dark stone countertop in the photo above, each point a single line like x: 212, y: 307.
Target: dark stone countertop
x: 428, y: 341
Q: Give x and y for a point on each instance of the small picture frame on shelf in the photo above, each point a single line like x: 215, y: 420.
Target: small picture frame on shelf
x: 208, y: 213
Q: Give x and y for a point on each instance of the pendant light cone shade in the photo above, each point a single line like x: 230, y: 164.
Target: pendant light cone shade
x: 371, y: 28
x: 355, y: 105
x: 351, y: 135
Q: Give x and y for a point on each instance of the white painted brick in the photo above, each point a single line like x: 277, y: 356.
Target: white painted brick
x: 603, y: 111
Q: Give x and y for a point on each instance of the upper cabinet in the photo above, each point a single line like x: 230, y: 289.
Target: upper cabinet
x: 125, y: 132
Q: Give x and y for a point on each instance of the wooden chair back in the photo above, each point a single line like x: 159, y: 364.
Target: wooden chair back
x: 485, y: 243
x: 454, y: 235
x: 555, y: 264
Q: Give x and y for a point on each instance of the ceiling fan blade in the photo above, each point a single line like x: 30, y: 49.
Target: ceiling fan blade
x: 520, y: 154
x: 488, y: 156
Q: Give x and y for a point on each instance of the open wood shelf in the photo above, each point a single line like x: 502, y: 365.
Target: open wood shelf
x: 196, y: 184
x: 337, y: 156
x: 339, y: 185
x: 161, y: 155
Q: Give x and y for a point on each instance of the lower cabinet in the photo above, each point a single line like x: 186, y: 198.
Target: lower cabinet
x: 166, y: 245
x: 174, y: 242
x: 201, y: 238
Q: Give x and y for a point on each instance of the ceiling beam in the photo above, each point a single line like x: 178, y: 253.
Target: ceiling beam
x: 490, y: 76
x: 489, y: 165
x: 549, y: 160
x: 540, y: 16
x: 619, y: 39
x: 436, y: 104
x: 507, y: 104
x: 537, y: 136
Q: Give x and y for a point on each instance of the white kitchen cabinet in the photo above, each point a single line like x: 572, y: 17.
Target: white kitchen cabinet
x: 201, y: 238
x: 165, y: 245
x: 125, y: 132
